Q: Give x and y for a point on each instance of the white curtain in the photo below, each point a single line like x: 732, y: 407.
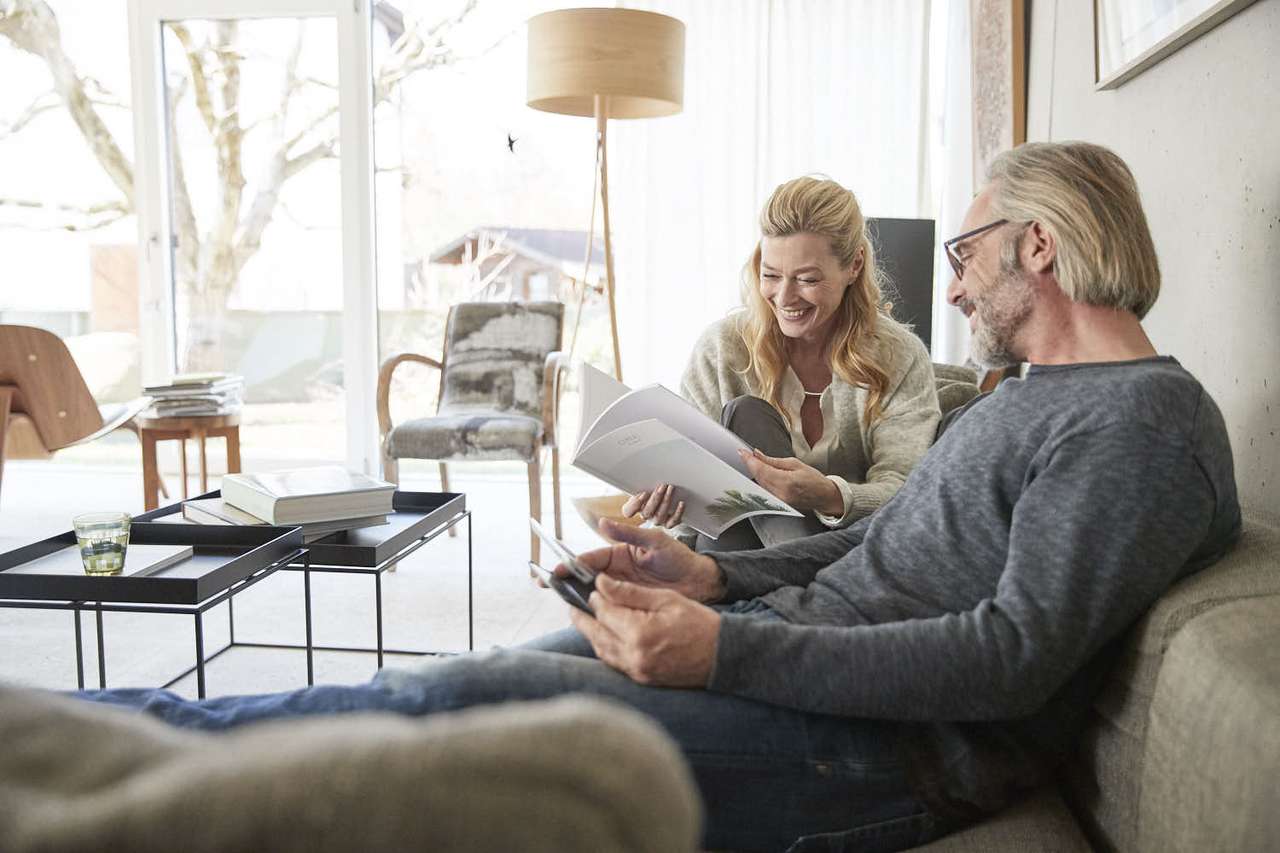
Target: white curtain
x: 773, y: 90
x: 950, y: 331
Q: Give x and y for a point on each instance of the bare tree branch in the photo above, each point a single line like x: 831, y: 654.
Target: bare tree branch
x: 31, y: 26
x: 319, y: 151
x: 309, y: 127
x: 41, y: 104
x: 199, y: 80
x: 290, y: 79
x: 187, y: 253
x: 227, y: 139
x: 412, y: 53
x: 72, y: 217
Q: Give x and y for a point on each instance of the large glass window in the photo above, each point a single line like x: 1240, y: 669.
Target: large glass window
x: 479, y: 197
x: 68, y: 233
x: 255, y: 217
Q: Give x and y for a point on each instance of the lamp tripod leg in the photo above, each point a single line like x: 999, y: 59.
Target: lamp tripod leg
x: 602, y: 124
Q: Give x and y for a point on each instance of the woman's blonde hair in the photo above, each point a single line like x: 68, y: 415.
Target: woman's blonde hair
x: 1086, y: 197
x: 820, y: 206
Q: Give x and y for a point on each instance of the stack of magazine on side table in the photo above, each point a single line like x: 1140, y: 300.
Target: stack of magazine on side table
x: 196, y: 394
x: 321, y: 500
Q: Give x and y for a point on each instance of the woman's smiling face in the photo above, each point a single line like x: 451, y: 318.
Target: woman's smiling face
x: 803, y: 283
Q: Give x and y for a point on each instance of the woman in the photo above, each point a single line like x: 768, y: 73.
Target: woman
x: 837, y: 397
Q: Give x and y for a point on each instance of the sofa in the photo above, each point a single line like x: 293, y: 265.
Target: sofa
x: 1182, y: 751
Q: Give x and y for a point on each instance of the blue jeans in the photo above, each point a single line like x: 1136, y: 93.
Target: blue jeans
x: 771, y: 778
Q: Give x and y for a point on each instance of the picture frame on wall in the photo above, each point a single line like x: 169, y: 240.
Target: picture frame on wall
x: 1130, y: 36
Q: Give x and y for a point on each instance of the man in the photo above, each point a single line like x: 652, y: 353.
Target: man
x: 902, y: 676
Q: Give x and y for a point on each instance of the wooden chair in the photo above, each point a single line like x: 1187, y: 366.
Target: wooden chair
x: 44, y: 402
x: 499, y: 399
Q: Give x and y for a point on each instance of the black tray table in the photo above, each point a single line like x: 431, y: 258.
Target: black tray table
x: 226, y: 561
x: 416, y: 519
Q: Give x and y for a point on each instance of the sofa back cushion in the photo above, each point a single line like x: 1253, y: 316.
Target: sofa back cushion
x: 1103, y: 780
x: 1212, y: 761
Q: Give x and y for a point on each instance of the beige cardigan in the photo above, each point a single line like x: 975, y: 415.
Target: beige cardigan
x: 868, y: 466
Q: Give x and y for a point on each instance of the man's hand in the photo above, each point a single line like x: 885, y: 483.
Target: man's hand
x: 801, y: 485
x: 653, y: 636
x: 649, y: 557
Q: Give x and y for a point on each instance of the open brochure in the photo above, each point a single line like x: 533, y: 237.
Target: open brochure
x: 635, y: 440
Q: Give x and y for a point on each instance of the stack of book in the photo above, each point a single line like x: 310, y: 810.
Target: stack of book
x: 196, y: 394
x: 321, y: 500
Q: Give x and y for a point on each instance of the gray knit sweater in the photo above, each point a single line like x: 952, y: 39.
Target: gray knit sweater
x: 867, y: 465
x: 978, y: 606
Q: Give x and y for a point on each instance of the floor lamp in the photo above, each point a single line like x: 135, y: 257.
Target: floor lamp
x: 606, y: 63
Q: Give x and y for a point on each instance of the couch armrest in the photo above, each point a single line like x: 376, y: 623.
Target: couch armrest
x: 1213, y: 735
x: 571, y: 774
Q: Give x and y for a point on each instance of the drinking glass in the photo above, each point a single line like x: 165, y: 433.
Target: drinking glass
x: 103, y: 538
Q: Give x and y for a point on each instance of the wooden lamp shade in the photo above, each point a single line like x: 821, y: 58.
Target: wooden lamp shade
x: 632, y: 58
x: 606, y: 63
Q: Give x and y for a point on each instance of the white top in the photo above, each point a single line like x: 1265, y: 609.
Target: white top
x: 819, y: 455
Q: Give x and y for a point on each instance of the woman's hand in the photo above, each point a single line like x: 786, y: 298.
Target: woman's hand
x: 801, y: 485
x: 657, y: 505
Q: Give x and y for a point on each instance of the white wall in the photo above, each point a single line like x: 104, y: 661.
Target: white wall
x: 1201, y: 132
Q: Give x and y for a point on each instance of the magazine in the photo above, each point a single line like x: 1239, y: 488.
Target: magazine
x: 635, y: 439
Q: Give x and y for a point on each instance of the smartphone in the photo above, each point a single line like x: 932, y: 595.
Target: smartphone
x: 563, y: 554
x: 572, y: 590
x: 576, y: 589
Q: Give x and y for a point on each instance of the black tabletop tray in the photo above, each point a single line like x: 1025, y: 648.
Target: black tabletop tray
x: 224, y: 555
x: 413, y: 516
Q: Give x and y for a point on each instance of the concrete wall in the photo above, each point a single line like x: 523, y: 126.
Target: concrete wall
x: 1201, y: 132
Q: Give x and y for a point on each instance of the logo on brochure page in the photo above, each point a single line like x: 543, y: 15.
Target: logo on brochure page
x: 629, y: 440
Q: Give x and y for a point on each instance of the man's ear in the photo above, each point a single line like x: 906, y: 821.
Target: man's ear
x: 1039, y: 249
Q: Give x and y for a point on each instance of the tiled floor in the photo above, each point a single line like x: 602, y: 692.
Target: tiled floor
x: 424, y: 600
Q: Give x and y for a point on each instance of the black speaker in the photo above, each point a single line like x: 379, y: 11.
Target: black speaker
x: 904, y: 252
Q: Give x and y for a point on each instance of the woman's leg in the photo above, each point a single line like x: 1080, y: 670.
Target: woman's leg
x: 760, y: 425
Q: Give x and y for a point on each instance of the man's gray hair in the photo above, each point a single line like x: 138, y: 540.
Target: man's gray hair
x: 1085, y: 196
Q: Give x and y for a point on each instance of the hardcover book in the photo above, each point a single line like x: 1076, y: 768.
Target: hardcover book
x: 305, y: 495
x: 218, y: 511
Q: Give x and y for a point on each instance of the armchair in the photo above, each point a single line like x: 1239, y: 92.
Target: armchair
x: 500, y: 383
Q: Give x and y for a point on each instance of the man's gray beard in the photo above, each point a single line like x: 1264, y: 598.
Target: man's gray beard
x: 1004, y: 310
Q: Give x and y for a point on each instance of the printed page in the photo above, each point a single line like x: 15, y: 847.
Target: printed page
x: 598, y: 391
x: 639, y: 456
x: 662, y: 404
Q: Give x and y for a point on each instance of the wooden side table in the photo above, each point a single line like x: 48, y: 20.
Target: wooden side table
x: 197, y: 428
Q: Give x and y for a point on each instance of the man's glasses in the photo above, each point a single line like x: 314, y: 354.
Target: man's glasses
x: 950, y: 246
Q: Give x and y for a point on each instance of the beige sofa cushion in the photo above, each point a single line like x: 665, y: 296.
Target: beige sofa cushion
x: 573, y: 774
x: 1041, y: 823
x: 1103, y: 778
x: 1212, y: 772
